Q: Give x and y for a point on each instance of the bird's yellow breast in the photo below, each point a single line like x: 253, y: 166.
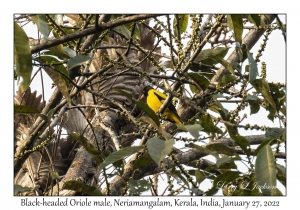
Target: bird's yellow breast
x: 153, y: 101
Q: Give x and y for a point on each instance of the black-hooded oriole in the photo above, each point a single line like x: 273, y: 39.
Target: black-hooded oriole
x: 155, y: 99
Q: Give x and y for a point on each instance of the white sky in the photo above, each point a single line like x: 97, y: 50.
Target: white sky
x: 159, y: 7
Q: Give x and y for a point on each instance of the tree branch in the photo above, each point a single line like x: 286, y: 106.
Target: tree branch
x: 90, y: 31
x: 188, y: 158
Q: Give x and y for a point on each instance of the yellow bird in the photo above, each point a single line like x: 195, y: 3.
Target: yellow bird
x: 155, y: 99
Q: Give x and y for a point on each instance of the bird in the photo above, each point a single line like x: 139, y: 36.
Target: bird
x: 155, y: 99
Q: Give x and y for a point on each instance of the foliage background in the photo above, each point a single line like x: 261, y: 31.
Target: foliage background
x: 144, y: 37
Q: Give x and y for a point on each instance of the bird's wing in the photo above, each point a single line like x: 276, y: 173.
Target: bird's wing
x: 162, y: 98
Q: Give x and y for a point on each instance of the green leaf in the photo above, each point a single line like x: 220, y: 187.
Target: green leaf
x: 200, y: 148
x: 254, y: 103
x: 142, y: 106
x: 137, y: 33
x: 253, y: 70
x: 50, y: 60
x: 217, y: 107
x: 272, y: 112
x: 254, y: 107
x: 81, y: 187
x: 58, y: 19
x: 242, y: 142
x: 195, y: 89
x: 222, y: 61
x: 212, y: 191
x: 136, y: 187
x: 239, y: 140
x: 265, y: 170
x: 183, y: 23
x: 57, y: 76
x: 121, y: 154
x: 159, y: 149
x: 40, y: 21
x: 281, y: 168
x: 20, y: 189
x: 226, y: 163
x: 70, y: 52
x: 255, y: 19
x: 225, y: 80
x: 194, y: 130
x: 226, y: 177
x: 47, y: 118
x: 223, y: 179
x: 200, y: 176
x: 204, y: 173
x: 281, y: 174
x: 197, y: 67
x: 278, y: 95
x: 262, y: 145
x: 22, y: 57
x: 160, y: 128
x: 220, y: 161
x: 142, y: 161
x: 123, y: 30
x: 274, y: 133
x: 77, y: 60
x: 97, y: 155
x: 262, y: 86
x: 235, y: 23
x: 221, y: 149
x: 219, y: 52
x: 111, y: 175
x: 202, y: 81
x: 208, y: 125
x: 119, y: 166
x: 58, y: 51
x: 21, y: 109
x: 177, y: 174
x: 214, y: 108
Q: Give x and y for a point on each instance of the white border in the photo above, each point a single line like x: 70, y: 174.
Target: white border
x: 154, y: 6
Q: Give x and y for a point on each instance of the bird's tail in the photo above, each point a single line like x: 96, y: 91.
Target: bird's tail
x: 175, y: 118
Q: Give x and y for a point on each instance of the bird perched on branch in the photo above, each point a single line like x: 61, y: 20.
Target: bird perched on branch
x: 155, y: 100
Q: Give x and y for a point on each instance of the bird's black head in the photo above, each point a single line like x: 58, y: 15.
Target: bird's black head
x: 145, y: 91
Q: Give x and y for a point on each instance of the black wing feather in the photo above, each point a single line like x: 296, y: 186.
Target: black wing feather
x: 170, y: 107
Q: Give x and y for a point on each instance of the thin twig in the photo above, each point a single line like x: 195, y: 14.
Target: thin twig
x: 171, y: 38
